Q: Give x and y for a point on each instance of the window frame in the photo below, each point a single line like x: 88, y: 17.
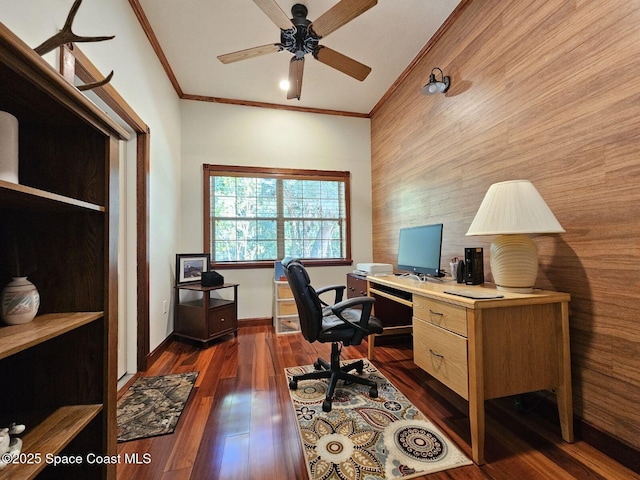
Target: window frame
x: 280, y: 173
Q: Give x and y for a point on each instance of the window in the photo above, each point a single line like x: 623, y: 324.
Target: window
x: 254, y: 216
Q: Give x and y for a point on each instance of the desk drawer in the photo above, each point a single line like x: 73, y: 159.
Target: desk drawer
x: 442, y: 354
x: 356, y: 286
x: 451, y: 317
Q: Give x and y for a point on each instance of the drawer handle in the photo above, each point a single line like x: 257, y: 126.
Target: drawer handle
x: 435, y: 354
x: 222, y: 319
x: 364, y: 294
x: 438, y: 316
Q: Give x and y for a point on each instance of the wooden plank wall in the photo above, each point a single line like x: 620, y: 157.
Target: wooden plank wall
x: 547, y: 91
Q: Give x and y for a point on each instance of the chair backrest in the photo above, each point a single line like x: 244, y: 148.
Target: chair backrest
x: 307, y: 300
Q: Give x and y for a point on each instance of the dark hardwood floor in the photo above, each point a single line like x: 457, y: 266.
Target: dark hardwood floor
x: 239, y: 424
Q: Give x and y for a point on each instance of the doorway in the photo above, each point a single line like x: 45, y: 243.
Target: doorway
x: 135, y: 303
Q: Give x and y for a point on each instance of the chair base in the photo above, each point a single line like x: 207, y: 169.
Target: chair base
x: 335, y: 372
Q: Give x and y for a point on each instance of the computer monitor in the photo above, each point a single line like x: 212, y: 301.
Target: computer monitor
x: 420, y: 249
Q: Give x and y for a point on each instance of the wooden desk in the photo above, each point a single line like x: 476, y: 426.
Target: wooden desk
x: 484, y: 349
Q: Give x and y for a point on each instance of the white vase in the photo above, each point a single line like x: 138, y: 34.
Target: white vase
x: 19, y: 301
x: 8, y: 147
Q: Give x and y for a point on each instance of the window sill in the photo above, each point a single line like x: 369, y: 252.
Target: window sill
x: 315, y: 262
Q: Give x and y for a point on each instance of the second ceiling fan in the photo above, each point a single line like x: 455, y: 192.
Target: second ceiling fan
x: 300, y: 36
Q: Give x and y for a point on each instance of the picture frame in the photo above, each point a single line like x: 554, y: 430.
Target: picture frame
x: 190, y: 266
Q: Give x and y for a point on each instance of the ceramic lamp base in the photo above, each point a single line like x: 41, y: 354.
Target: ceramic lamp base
x: 514, y: 263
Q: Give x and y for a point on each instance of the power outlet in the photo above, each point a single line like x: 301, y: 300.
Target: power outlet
x: 164, y: 306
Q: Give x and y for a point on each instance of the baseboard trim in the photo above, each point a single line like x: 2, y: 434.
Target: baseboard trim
x: 255, y: 322
x: 612, y: 447
x: 152, y: 357
x: 126, y: 386
x: 604, y: 442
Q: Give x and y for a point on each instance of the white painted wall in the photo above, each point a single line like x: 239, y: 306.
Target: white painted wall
x: 249, y: 136
x: 140, y: 79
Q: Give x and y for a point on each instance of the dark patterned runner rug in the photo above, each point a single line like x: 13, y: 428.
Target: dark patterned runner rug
x: 152, y: 405
x: 380, y: 438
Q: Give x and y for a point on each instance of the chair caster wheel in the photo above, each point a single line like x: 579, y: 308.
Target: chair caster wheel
x: 317, y: 365
x: 326, y: 406
x: 293, y: 385
x: 373, y: 392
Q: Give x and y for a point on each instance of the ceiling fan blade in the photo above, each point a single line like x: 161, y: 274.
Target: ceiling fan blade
x: 341, y: 62
x: 249, y: 53
x: 341, y: 13
x: 275, y: 13
x: 296, y: 69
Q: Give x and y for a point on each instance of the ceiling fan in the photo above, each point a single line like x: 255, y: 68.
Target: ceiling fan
x: 300, y: 36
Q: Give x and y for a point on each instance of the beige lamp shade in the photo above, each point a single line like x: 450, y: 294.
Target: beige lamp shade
x: 512, y: 210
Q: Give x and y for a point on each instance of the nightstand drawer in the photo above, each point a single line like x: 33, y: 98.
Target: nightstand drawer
x: 221, y: 319
x: 442, y: 354
x: 451, y: 317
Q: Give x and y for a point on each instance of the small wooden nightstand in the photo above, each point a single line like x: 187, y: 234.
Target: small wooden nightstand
x: 205, y: 318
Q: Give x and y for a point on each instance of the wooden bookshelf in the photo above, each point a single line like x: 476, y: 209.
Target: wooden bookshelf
x: 47, y: 440
x: 15, y: 338
x: 59, y: 370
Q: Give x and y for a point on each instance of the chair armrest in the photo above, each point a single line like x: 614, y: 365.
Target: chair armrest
x: 339, y: 289
x: 365, y: 302
x: 350, y: 303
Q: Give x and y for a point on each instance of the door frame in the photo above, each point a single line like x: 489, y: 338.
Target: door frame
x: 73, y: 62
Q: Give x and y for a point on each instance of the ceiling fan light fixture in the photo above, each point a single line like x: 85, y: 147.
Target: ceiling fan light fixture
x: 284, y: 85
x: 434, y: 85
x: 299, y: 36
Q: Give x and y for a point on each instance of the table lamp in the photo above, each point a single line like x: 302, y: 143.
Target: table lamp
x: 512, y: 210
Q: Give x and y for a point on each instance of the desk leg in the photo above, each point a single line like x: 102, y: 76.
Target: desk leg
x: 476, y: 384
x: 564, y: 391
x: 371, y: 340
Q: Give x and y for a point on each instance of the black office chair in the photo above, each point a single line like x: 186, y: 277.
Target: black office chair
x: 340, y: 324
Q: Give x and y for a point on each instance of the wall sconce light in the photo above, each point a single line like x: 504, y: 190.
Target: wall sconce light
x: 436, y: 86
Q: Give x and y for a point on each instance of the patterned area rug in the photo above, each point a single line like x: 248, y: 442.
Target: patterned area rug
x: 367, y: 438
x: 152, y: 405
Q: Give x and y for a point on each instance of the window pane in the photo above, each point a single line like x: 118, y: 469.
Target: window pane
x: 330, y: 189
x: 224, y: 206
x: 292, y: 188
x: 311, y: 189
x: 224, y: 251
x: 267, y: 187
x: 225, y: 229
x: 330, y: 209
x: 267, y: 230
x: 246, y: 187
x: 267, y: 207
x: 311, y: 208
x: 267, y: 250
x: 225, y: 186
x: 292, y: 208
x: 246, y: 207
